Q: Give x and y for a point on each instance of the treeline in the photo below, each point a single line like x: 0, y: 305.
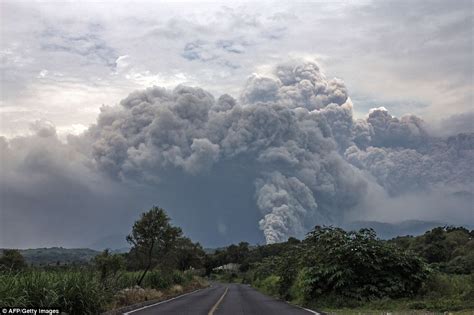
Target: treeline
x: 448, y: 249
x: 55, y: 256
x: 335, y: 268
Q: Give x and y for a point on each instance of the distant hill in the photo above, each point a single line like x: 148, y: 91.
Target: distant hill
x: 115, y: 242
x: 53, y: 255
x: 390, y: 230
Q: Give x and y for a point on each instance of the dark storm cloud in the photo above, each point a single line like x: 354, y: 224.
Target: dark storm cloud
x: 288, y: 148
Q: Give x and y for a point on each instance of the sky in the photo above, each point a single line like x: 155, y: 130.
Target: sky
x: 82, y: 156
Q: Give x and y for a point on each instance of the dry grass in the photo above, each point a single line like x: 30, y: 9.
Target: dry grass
x: 135, y: 295
x: 176, y: 289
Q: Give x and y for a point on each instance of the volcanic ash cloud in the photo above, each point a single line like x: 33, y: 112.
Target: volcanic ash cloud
x: 293, y: 134
x: 290, y: 129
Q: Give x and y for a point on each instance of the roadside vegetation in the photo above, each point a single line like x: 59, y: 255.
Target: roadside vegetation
x: 161, y: 263
x: 337, y: 271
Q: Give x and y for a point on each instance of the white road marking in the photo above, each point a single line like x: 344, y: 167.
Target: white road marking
x: 311, y: 311
x: 213, y: 309
x: 162, y: 302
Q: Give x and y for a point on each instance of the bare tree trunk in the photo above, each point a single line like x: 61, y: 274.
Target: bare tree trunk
x: 148, y: 265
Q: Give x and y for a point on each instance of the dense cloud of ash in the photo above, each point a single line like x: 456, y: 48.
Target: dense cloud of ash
x: 48, y: 191
x: 404, y: 157
x: 438, y: 205
x: 290, y: 139
x: 287, y: 129
x: 459, y: 123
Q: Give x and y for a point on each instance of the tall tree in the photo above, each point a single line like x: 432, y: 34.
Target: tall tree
x: 152, y: 233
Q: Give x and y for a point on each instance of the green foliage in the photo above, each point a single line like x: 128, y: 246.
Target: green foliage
x: 158, y: 280
x: 237, y: 254
x: 178, y: 277
x: 152, y: 234
x: 108, y: 264
x: 331, y: 262
x: 75, y: 292
x: 269, y: 285
x: 334, y: 268
x: 183, y: 255
x: 448, y: 249
x: 91, y: 289
x: 11, y: 259
x: 302, y: 288
x: 357, y: 265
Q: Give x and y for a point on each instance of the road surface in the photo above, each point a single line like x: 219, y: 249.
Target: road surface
x: 223, y: 299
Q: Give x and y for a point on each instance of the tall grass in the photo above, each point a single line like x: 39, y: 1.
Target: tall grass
x: 76, y: 291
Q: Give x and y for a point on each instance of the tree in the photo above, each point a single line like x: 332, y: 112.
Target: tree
x: 108, y: 264
x: 12, y: 260
x: 152, y: 233
x: 188, y: 254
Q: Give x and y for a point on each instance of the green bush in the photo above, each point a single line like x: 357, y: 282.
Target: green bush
x: 356, y: 265
x: 301, y: 290
x: 158, y: 280
x: 440, y: 285
x: 178, y: 277
x: 269, y: 285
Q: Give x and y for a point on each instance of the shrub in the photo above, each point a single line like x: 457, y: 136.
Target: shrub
x: 269, y: 285
x: 440, y: 285
x: 178, y: 277
x: 157, y: 280
x: 356, y: 265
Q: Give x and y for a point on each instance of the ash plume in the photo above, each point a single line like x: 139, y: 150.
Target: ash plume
x: 291, y: 136
x: 285, y: 128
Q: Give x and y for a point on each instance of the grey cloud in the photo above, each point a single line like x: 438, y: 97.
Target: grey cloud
x: 459, y: 123
x: 285, y: 203
x: 231, y: 46
x: 198, y: 50
x: 403, y: 157
x: 43, y: 128
x: 388, y: 131
x: 297, y: 85
x: 216, y: 52
x: 88, y: 45
x: 289, y: 148
x: 260, y: 89
x: 158, y: 130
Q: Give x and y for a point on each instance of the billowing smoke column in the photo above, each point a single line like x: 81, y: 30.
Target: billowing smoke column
x: 403, y: 157
x: 293, y: 134
x: 312, y: 159
x: 290, y: 129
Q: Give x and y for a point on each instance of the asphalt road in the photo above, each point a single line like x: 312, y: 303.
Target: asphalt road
x: 220, y: 299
